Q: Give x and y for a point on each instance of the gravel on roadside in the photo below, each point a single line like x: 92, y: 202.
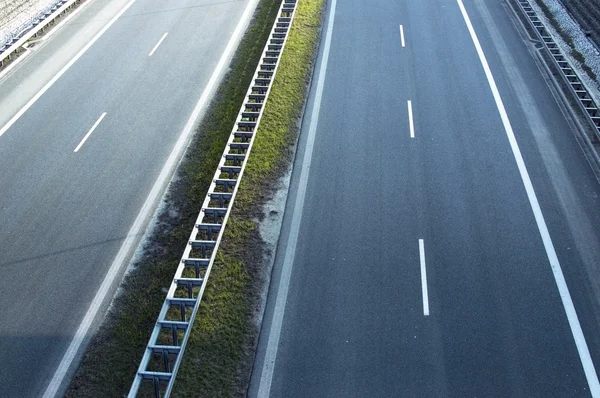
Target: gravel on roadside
x: 572, y: 40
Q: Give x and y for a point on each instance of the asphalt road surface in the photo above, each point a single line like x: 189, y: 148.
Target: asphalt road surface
x: 83, y: 159
x: 435, y: 208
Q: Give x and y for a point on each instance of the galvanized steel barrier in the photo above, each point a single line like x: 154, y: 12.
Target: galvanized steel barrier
x: 163, y: 354
x: 14, y: 40
x: 578, y: 89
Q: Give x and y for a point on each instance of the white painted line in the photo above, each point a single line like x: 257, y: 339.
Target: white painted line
x: 424, y: 278
x: 158, y: 44
x: 63, y: 70
x: 90, y: 132
x: 402, y: 36
x: 149, y: 206
x: 266, y: 378
x: 582, y: 347
x: 410, y: 120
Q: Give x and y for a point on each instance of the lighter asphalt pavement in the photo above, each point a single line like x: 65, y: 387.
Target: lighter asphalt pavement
x: 84, y: 165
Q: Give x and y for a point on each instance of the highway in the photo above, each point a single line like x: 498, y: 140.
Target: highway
x: 441, y: 235
x: 92, y: 124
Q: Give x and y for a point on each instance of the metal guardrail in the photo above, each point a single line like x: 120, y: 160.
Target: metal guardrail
x: 568, y: 73
x: 164, y: 351
x: 16, y: 39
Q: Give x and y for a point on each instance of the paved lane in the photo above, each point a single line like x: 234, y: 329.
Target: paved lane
x: 65, y: 215
x: 355, y: 322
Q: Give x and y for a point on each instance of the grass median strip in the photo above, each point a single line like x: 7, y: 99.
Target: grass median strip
x: 221, y: 350
x: 113, y: 355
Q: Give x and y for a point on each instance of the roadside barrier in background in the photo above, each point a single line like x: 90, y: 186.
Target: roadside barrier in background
x: 164, y: 351
x: 578, y: 89
x: 11, y: 42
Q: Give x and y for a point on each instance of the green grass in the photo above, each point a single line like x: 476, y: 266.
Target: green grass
x: 113, y: 355
x: 221, y: 348
x: 220, y: 351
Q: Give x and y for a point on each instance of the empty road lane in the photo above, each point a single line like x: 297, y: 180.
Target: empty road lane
x: 85, y: 160
x: 441, y: 233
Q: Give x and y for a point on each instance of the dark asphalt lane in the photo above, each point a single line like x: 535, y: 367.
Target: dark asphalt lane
x: 65, y: 215
x: 354, y: 323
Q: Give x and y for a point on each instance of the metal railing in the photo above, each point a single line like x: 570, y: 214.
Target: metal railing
x: 14, y: 40
x: 164, y: 351
x: 568, y: 73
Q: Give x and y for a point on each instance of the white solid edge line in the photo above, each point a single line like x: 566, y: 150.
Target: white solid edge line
x: 63, y: 70
x: 402, y: 36
x: 147, y: 209
x: 158, y: 44
x: 411, y: 123
x: 582, y: 348
x: 266, y: 378
x: 424, y: 278
x: 90, y: 132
